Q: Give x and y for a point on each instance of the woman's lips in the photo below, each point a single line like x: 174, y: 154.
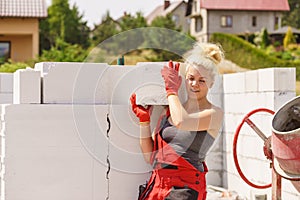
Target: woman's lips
x: 194, y: 90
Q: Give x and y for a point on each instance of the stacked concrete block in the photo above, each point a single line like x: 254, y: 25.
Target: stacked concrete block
x: 244, y: 92
x: 6, y: 88
x: 116, y: 85
x: 126, y: 159
x: 27, y: 87
x: 48, y: 156
x: 66, y: 83
x: 150, y: 79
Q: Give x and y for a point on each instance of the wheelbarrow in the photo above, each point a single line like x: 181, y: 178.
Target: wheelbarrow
x: 282, y: 148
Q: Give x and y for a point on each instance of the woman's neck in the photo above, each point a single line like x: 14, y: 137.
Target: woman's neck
x: 194, y: 105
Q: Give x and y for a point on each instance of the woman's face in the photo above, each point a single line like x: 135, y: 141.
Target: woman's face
x: 197, y: 82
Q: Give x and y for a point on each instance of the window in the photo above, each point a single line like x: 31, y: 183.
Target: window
x: 254, y: 20
x: 198, y: 24
x: 226, y: 21
x: 4, y: 51
x: 195, y: 6
x: 175, y: 19
x: 276, y: 24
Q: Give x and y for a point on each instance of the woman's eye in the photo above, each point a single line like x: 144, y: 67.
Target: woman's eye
x: 202, y: 81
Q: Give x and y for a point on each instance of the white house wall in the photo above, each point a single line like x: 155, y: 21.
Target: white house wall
x: 202, y: 35
x: 241, y: 22
x: 82, y: 143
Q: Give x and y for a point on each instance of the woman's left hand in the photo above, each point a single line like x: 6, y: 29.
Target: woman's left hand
x: 172, y: 78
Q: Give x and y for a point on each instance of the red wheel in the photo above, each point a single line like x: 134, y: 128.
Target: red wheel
x: 236, y: 135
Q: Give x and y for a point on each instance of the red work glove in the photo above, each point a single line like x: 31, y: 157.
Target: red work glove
x: 141, y: 112
x: 172, y: 78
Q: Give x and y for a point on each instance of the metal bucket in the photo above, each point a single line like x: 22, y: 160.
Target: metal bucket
x: 286, y: 141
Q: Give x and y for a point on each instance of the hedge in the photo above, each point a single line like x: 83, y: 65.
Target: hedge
x: 246, y: 55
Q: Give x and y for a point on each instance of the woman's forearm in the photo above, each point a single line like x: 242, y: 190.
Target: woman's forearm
x: 178, y: 113
x: 146, y: 142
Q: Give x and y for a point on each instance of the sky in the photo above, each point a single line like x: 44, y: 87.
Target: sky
x: 93, y: 10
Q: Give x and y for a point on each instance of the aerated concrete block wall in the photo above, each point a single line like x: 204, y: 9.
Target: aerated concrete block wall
x: 243, y: 92
x: 70, y: 132
x: 6, y: 88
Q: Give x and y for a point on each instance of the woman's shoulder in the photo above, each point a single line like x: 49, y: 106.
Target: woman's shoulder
x: 217, y: 109
x: 216, y: 120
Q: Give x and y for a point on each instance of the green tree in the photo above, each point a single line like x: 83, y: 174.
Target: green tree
x: 165, y: 22
x: 131, y: 40
x: 131, y: 22
x: 292, y: 18
x: 167, y: 41
x: 65, y: 23
x: 288, y: 38
x: 265, y: 41
x: 63, y: 52
x: 106, y: 29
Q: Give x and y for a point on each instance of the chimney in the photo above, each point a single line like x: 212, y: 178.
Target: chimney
x: 166, y: 4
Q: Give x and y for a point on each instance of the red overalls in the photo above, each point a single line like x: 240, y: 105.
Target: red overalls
x: 173, y: 177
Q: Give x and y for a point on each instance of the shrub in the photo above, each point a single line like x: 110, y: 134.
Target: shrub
x: 288, y: 38
x: 248, y: 56
x: 11, y: 66
x: 64, y: 52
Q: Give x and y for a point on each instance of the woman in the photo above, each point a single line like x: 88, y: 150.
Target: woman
x: 185, y: 131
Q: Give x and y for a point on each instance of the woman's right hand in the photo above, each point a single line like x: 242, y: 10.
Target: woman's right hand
x: 172, y: 78
x: 141, y: 112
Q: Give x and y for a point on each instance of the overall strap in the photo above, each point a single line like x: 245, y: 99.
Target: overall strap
x: 158, y: 128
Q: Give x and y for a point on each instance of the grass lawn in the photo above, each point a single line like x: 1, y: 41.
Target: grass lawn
x: 297, y: 88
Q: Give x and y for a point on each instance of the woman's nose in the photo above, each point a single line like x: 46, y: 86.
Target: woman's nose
x: 194, y: 82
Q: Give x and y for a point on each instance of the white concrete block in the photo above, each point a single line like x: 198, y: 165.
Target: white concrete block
x: 124, y: 143
x: 150, y: 79
x: 231, y: 121
x: 228, y: 144
x: 234, y: 83
x: 257, y: 171
x: 236, y: 183
x: 43, y: 143
x: 281, y: 98
x: 216, y: 93
x: 124, y: 185
x: 6, y: 98
x: 50, y: 173
x: 117, y: 84
x: 6, y: 82
x: 235, y: 103
x: 71, y: 82
x: 27, y: 87
x: 250, y: 146
x: 214, y: 161
x: 214, y: 178
x: 128, y: 168
x: 251, y: 81
x: 277, y: 79
x: 100, y: 183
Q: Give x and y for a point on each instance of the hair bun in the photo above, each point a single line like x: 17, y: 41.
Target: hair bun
x: 213, y: 52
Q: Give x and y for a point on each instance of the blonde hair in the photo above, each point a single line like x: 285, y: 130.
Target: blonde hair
x: 206, y: 55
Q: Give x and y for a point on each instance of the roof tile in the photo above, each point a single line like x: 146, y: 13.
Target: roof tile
x: 23, y: 8
x: 275, y: 5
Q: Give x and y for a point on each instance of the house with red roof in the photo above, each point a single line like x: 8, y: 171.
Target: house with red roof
x: 234, y: 16
x: 177, y: 9
x: 19, y: 28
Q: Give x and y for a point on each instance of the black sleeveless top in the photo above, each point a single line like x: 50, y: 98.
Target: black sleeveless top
x: 191, y: 145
